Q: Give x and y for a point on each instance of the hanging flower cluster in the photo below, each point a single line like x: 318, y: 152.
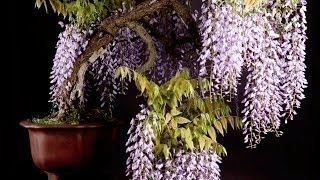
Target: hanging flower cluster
x: 269, y: 44
x: 222, y: 46
x: 143, y: 164
x: 140, y: 147
x: 101, y: 80
x: 189, y: 165
x: 72, y: 42
x: 174, y: 46
x: 263, y: 100
x: 293, y: 52
x: 125, y: 50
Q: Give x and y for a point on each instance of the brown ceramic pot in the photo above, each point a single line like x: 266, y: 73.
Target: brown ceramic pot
x: 62, y: 149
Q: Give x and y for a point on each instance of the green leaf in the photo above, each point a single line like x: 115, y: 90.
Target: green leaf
x: 188, y: 133
x: 184, y: 73
x: 39, y: 2
x: 158, y: 148
x: 202, y: 142
x: 224, y: 123
x: 214, y: 146
x: 168, y: 118
x: 127, y: 72
x: 190, y: 90
x: 231, y: 121
x: 218, y: 126
x: 155, y: 88
x: 156, y: 107
x: 175, y: 112
x: 199, y: 103
x: 193, y: 83
x: 195, y: 121
x: 122, y: 73
x: 53, y: 5
x: 177, y: 133
x: 188, y: 139
x: 182, y: 120
x: 208, y: 144
x: 165, y: 150
x: 212, y: 133
x: 183, y: 132
x: 142, y: 83
x: 238, y: 123
x: 220, y: 150
x: 224, y: 151
x: 118, y: 72
x: 179, y: 88
x: 204, y: 84
x: 159, y: 127
x: 209, y: 104
x: 45, y: 6
x: 174, y: 124
x: 173, y: 102
x: 189, y: 143
x: 205, y: 117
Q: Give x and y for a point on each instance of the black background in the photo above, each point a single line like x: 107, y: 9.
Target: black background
x: 32, y: 38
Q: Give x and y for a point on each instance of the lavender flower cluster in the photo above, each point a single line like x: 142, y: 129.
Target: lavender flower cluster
x: 124, y: 50
x: 143, y: 164
x: 140, y: 147
x: 222, y: 46
x: 72, y: 42
x: 270, y: 46
x: 189, y: 165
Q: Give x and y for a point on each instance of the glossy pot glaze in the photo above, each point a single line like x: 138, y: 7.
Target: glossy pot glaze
x: 60, y: 149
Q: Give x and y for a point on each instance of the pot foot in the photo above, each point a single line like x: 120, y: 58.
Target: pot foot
x: 53, y: 176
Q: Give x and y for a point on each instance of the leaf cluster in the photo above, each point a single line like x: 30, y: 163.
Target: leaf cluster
x: 185, y: 118
x: 82, y: 12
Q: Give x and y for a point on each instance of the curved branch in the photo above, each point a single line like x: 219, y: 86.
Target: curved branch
x: 97, y: 40
x: 141, y: 31
x: 103, y: 35
x: 78, y: 89
x: 107, y: 30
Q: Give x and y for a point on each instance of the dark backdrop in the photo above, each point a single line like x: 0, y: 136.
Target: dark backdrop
x: 33, y: 35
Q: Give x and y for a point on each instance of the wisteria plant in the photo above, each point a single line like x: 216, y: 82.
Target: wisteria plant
x: 176, y: 122
x: 188, y: 64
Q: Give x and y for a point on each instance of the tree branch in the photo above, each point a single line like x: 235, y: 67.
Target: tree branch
x: 148, y: 40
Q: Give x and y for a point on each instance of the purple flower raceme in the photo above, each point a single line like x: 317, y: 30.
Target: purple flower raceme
x: 221, y: 56
x: 293, y: 52
x: 271, y: 52
x: 190, y: 165
x: 263, y: 100
x: 122, y: 51
x: 140, y: 163
x: 72, y: 42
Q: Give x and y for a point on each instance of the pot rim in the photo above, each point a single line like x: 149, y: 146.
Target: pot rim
x: 30, y: 125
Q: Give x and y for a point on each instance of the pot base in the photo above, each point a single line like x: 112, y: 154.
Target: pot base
x: 68, y: 149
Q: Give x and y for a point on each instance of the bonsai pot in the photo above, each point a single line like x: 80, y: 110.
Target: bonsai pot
x: 68, y: 149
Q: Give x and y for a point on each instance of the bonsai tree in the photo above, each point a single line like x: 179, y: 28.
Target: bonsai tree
x: 187, y: 64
